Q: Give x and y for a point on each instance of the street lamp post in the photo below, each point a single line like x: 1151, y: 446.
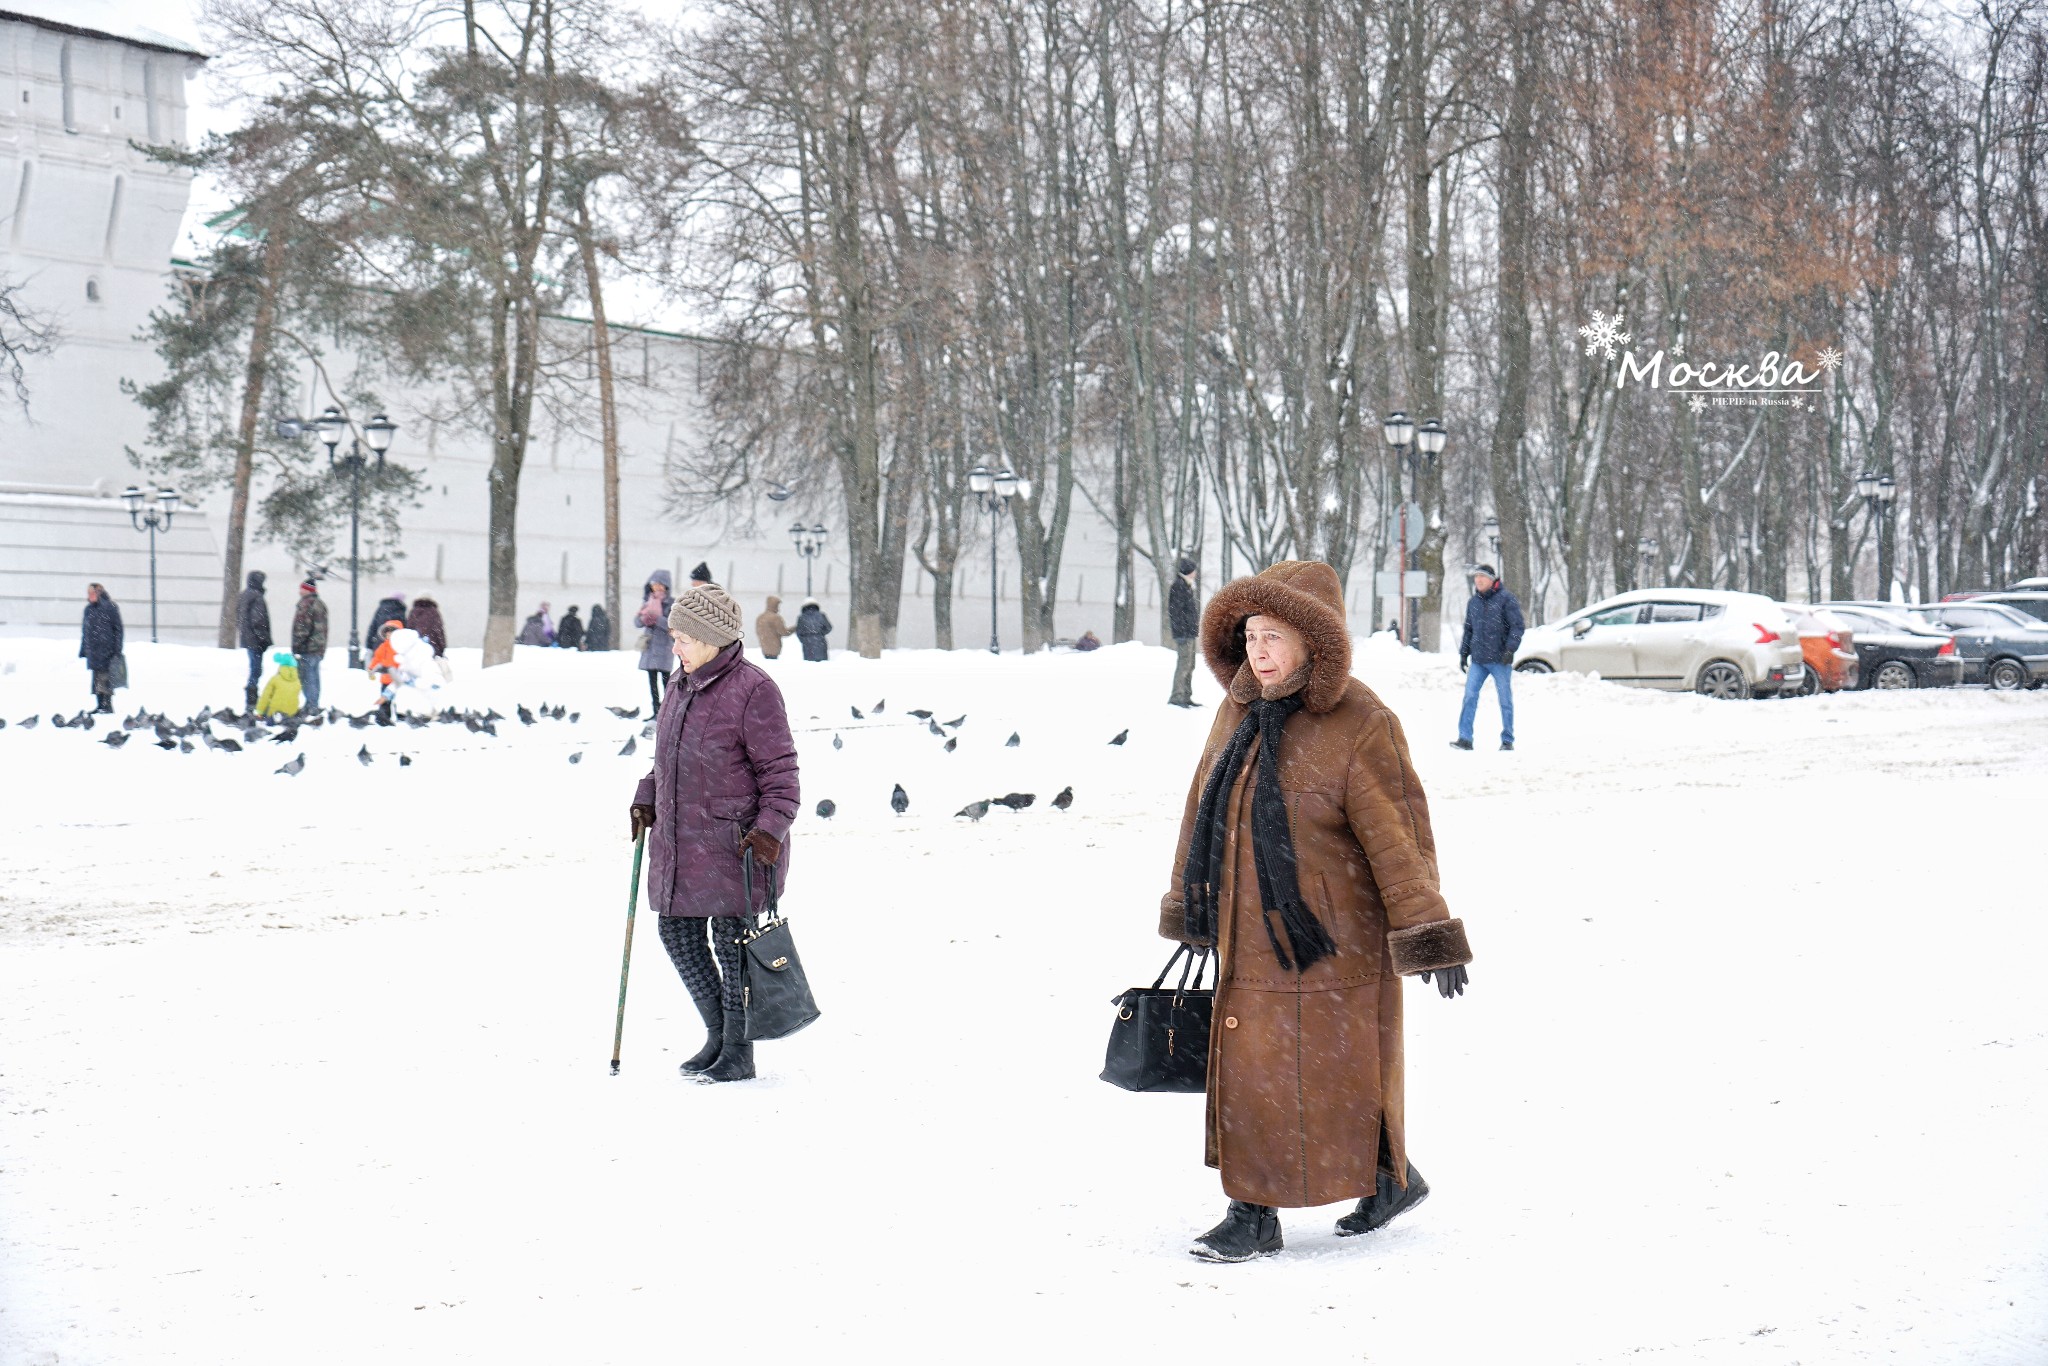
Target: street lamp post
x: 151, y: 519
x: 1491, y: 526
x: 1428, y: 441
x: 1646, y: 551
x: 995, y: 489
x: 378, y: 431
x: 810, y: 543
x: 1878, y: 493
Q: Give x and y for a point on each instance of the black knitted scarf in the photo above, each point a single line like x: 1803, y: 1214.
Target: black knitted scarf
x: 1272, y: 844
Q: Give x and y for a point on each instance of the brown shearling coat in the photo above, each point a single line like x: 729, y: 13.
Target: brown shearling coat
x: 1305, y: 1069
x: 771, y: 630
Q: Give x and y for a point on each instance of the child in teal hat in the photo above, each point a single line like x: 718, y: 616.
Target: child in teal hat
x: 281, y: 689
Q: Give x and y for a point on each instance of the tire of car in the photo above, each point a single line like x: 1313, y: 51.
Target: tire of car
x: 1809, y: 686
x: 1532, y: 666
x: 1894, y: 674
x: 1725, y: 681
x: 2006, y: 675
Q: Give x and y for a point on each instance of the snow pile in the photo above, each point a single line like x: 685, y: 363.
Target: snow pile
x: 313, y: 1068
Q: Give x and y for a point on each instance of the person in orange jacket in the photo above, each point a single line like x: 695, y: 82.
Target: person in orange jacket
x: 383, y: 671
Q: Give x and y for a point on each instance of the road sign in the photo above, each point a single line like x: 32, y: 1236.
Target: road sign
x: 1416, y: 526
x: 1387, y: 585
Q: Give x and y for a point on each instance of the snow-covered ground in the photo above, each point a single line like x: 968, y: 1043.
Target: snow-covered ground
x: 1754, y: 1066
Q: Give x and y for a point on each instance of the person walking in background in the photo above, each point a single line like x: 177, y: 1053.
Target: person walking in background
x: 539, y: 628
x: 812, y: 627
x: 309, y: 641
x: 1493, y: 632
x: 373, y: 630
x: 281, y: 690
x: 1184, y: 620
x: 770, y: 628
x: 701, y: 574
x: 1316, y: 907
x: 569, y: 635
x: 425, y: 617
x: 657, y: 650
x: 723, y: 789
x: 599, y: 636
x: 252, y: 632
x: 100, y: 641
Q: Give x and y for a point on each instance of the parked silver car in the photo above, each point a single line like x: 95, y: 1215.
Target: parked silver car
x: 1682, y: 639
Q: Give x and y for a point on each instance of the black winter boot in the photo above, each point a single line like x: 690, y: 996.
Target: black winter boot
x: 714, y: 1027
x: 1247, y: 1231
x: 735, y: 1055
x: 249, y: 699
x: 1385, y: 1204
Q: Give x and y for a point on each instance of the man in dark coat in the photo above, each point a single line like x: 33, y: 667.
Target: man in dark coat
x: 1184, y: 620
x: 812, y: 626
x: 599, y: 636
x: 569, y: 635
x: 425, y: 617
x: 701, y: 574
x: 723, y: 790
x: 309, y: 643
x: 1493, y: 632
x: 99, y: 643
x: 389, y: 609
x: 252, y: 632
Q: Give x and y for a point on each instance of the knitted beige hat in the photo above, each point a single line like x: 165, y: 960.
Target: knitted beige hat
x: 706, y: 612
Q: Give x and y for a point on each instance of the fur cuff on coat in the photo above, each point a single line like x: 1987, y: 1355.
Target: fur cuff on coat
x: 1173, y: 922
x: 1427, y: 947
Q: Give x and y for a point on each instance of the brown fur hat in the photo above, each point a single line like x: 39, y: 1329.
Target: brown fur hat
x: 1307, y: 596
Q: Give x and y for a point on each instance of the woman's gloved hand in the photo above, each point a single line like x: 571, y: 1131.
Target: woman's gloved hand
x: 1449, y: 981
x: 765, y: 848
x: 643, y: 819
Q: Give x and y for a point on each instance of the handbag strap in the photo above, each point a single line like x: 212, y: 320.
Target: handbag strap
x: 1197, y: 959
x: 774, y: 907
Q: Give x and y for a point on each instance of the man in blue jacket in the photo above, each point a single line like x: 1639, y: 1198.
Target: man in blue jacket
x: 1493, y: 632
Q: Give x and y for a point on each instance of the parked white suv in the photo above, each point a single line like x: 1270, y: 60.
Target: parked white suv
x: 1682, y: 639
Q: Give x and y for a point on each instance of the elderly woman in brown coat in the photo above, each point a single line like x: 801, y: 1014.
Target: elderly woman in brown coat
x: 1306, y: 861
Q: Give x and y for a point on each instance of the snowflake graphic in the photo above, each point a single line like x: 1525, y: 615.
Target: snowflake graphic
x: 1698, y: 403
x: 1603, y: 333
x: 1799, y: 400
x: 1828, y: 358
x: 1678, y: 350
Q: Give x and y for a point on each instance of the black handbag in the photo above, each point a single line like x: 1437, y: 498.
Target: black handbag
x: 1159, y: 1040
x: 775, y: 996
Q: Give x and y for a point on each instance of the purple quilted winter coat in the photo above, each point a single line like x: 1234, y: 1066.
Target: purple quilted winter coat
x: 724, y: 764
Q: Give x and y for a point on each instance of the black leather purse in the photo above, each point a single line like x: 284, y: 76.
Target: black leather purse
x: 775, y: 996
x: 1159, y: 1040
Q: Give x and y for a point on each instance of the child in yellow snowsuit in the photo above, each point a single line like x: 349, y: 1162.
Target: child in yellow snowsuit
x: 281, y: 690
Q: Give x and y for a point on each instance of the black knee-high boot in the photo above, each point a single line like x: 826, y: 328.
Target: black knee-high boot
x: 714, y: 1036
x: 736, y: 1057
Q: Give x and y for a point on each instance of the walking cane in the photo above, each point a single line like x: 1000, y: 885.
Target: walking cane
x: 626, y: 963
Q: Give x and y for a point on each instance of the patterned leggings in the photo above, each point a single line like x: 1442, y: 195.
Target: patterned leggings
x: 710, y: 970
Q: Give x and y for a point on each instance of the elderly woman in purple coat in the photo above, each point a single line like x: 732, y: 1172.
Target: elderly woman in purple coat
x: 723, y: 788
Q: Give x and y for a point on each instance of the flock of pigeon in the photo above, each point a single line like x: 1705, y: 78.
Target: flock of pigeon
x: 899, y: 800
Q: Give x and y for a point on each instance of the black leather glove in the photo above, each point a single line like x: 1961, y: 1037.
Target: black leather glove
x: 1464, y: 663
x: 1449, y: 981
x: 643, y: 819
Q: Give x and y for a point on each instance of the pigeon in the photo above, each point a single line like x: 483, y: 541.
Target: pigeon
x: 251, y: 735
x: 858, y: 714
x: 363, y: 756
x: 647, y: 731
x: 334, y: 716
x: 487, y: 728
x: 492, y: 714
x: 827, y: 809
x: 952, y: 744
x: 295, y: 765
x: 1121, y: 736
x: 623, y: 714
x: 1014, y: 741
x: 82, y: 720
x: 30, y: 723
x: 358, y: 722
x: 958, y: 721
x: 837, y: 743
x: 184, y: 746
x: 3, y: 725
x: 417, y: 722
x: 57, y: 720
x: 167, y: 744
x: 577, y: 757
x: 561, y: 711
x: 631, y: 745
x: 974, y: 811
x: 1016, y: 801
x: 1064, y: 800
x: 933, y: 726
x: 283, y: 736
x: 899, y: 800
x: 877, y: 708
x: 116, y: 740
x: 405, y: 761
x: 231, y: 746
x: 575, y: 716
x: 525, y: 716
x: 920, y: 713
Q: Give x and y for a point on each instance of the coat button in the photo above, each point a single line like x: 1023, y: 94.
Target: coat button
x: 1230, y: 1022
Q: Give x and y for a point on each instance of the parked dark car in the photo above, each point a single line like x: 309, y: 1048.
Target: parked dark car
x: 2001, y: 646
x: 2034, y: 604
x: 1893, y: 651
